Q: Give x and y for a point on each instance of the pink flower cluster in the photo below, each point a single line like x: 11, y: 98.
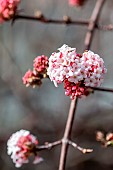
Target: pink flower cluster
x: 39, y: 72
x: 41, y: 64
x: 20, y: 146
x: 78, y: 89
x: 76, y: 2
x: 76, y: 71
x: 31, y: 78
x: 8, y: 9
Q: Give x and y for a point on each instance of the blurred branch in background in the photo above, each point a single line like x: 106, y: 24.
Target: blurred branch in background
x: 66, y: 20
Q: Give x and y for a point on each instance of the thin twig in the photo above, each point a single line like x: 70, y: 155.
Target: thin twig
x: 102, y: 89
x: 43, y: 19
x: 66, y: 20
x: 48, y: 145
x: 83, y: 150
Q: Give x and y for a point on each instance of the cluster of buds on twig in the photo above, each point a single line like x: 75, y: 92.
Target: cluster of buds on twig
x: 8, y: 8
x: 106, y: 140
x: 34, y: 78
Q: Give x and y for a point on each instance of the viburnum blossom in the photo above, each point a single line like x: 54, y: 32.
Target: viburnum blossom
x: 21, y: 145
x: 32, y: 78
x: 41, y: 64
x: 76, y: 71
x: 8, y: 9
x: 94, y: 69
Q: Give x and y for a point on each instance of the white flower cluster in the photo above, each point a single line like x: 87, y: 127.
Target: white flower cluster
x: 17, y: 148
x: 94, y: 69
x: 67, y: 64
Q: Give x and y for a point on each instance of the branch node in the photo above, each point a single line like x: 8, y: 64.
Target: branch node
x: 49, y: 145
x: 66, y: 19
x: 39, y: 15
x: 64, y: 140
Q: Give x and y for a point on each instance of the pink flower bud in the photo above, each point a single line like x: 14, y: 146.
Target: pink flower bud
x: 41, y: 64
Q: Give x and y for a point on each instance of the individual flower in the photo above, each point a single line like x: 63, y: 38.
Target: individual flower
x: 8, y: 8
x: 21, y: 145
x: 41, y: 64
x: 76, y: 2
x: 32, y: 78
x: 76, y: 71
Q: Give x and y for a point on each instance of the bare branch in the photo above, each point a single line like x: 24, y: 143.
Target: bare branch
x: 83, y: 150
x: 43, y: 19
x: 48, y: 145
x: 102, y: 89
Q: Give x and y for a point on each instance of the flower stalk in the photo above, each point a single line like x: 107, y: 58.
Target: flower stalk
x: 73, y: 105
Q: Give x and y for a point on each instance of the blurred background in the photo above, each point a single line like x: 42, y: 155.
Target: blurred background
x: 44, y: 110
